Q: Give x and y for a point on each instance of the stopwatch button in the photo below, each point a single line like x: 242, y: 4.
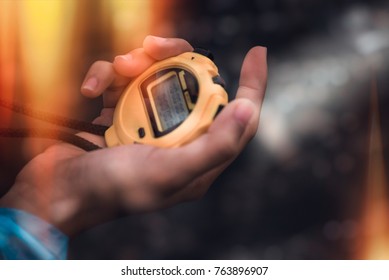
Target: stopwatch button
x: 219, y: 80
x: 141, y: 132
x: 219, y: 109
x: 204, y: 52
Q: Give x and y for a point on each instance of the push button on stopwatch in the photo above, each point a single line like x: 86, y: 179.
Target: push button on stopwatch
x: 141, y: 132
x: 219, y: 80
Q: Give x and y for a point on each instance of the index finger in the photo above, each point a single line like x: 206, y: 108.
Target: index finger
x: 162, y: 48
x: 154, y: 48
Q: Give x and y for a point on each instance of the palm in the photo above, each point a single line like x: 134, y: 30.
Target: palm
x: 74, y: 189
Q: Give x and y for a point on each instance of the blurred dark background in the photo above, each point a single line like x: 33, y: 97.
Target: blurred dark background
x: 300, y: 188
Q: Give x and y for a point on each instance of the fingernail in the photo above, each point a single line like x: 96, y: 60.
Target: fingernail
x: 244, y: 112
x: 158, y: 39
x: 90, y: 84
x: 126, y: 57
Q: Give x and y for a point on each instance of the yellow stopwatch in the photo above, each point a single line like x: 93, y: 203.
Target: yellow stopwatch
x: 170, y: 104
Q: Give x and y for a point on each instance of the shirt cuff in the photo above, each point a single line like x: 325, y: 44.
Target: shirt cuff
x: 25, y: 236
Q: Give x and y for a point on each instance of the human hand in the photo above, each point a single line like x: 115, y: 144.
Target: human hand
x: 74, y: 190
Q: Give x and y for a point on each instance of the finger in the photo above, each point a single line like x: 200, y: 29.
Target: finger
x: 252, y: 84
x: 105, y: 118
x: 253, y: 76
x: 162, y: 48
x: 222, y: 143
x: 100, y: 77
x: 199, y: 186
x: 133, y: 63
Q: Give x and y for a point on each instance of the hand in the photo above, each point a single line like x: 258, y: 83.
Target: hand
x: 74, y: 190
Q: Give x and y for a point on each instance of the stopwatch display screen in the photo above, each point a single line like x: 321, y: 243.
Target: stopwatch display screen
x: 169, y: 96
x: 169, y: 102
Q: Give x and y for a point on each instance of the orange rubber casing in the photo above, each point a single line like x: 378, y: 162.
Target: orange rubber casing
x: 131, y: 114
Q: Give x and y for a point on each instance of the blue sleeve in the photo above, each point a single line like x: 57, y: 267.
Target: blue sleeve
x: 25, y: 236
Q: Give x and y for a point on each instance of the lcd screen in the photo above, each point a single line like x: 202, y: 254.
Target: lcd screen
x: 169, y: 102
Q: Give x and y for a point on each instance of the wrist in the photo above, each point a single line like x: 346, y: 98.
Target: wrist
x: 40, y: 203
x: 66, y: 208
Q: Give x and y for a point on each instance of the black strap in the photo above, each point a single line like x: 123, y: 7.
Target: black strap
x: 55, y: 119
x: 52, y: 133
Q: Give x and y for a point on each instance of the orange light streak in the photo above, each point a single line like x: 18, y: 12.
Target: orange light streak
x: 45, y: 42
x: 46, y: 47
x: 7, y: 55
x: 374, y: 226
x: 130, y: 23
x: 162, y: 21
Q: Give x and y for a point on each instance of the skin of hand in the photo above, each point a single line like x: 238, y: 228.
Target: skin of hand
x: 75, y: 190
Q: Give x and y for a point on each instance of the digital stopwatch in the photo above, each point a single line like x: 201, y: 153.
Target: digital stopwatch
x: 170, y: 104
